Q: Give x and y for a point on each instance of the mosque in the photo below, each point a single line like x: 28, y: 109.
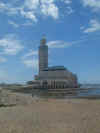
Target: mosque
x: 55, y: 77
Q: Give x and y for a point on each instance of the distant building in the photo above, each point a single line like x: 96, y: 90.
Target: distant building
x: 53, y: 77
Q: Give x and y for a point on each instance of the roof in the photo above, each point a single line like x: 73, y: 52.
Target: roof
x: 54, y: 68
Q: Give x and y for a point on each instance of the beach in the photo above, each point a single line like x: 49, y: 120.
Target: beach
x: 34, y: 115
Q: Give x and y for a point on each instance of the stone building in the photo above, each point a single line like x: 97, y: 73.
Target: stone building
x: 43, y: 55
x: 54, y: 77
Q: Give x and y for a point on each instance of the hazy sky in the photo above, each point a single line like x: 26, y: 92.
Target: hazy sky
x: 72, y: 29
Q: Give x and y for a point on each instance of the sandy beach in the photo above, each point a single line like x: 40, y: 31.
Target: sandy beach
x: 29, y: 115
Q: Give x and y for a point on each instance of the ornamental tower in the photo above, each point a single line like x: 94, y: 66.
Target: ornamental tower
x: 43, y: 55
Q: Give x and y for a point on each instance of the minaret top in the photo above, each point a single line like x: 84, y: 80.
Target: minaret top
x: 43, y: 40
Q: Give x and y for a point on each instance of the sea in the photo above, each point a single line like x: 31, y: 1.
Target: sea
x: 91, y: 90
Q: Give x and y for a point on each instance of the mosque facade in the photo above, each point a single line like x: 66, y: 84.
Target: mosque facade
x: 54, y: 77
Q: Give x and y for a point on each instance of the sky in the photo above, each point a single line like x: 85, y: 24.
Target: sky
x: 72, y: 30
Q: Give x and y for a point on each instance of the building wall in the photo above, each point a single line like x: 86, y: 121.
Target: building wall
x: 58, y: 79
x: 58, y: 74
x: 43, y: 57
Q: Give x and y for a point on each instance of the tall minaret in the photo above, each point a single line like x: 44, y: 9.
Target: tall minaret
x: 43, y: 55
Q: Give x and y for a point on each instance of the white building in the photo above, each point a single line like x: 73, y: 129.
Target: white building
x: 53, y: 77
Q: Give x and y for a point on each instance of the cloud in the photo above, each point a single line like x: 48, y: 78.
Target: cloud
x: 8, y: 8
x: 12, y: 10
x: 31, y: 63
x: 28, y: 23
x: 10, y: 45
x: 94, y: 4
x: 2, y: 59
x: 45, y: 7
x: 94, y: 26
x: 29, y: 15
x: 64, y: 44
x: 65, y: 8
x: 82, y: 28
x: 30, y: 59
x: 30, y: 54
x: 13, y: 24
x: 58, y: 44
x: 32, y: 10
x: 69, y: 10
x: 67, y: 1
x: 48, y: 8
x: 31, y: 4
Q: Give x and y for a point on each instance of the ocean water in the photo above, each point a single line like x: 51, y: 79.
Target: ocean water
x: 92, y: 90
